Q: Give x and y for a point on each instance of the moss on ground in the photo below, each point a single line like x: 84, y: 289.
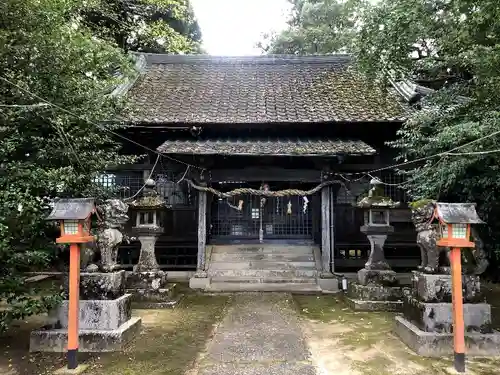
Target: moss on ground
x: 168, y: 343
x: 366, y: 342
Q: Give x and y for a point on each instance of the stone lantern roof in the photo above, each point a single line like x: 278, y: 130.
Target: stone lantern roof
x: 376, y: 197
x: 150, y: 199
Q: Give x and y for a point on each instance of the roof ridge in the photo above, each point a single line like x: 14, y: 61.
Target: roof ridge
x: 158, y: 58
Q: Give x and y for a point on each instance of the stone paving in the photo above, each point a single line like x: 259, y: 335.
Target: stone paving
x: 260, y: 334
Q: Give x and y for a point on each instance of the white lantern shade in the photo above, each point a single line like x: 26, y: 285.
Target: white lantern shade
x: 459, y: 231
x: 70, y: 227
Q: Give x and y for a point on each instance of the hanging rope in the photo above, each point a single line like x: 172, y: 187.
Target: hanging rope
x: 265, y: 193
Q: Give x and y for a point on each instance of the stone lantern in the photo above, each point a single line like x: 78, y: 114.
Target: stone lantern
x: 376, y: 227
x: 147, y: 226
x: 377, y: 287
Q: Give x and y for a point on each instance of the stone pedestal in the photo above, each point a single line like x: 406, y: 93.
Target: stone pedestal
x: 427, y: 322
x: 147, y: 258
x: 377, y: 277
x: 328, y: 283
x: 105, y: 323
x: 377, y: 236
x: 374, y: 297
x: 377, y: 288
x: 150, y: 290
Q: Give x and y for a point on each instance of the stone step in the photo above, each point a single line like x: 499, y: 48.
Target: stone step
x: 263, y: 273
x: 264, y: 287
x: 247, y: 257
x: 283, y: 250
x: 262, y: 280
x: 262, y: 265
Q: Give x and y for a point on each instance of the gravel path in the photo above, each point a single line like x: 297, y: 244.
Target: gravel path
x: 260, y: 334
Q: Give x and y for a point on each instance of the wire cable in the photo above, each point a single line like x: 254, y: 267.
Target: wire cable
x: 98, y: 125
x: 146, y: 182
x: 365, y: 173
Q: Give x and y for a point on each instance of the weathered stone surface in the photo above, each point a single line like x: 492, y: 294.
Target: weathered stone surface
x: 149, y: 295
x: 374, y: 292
x: 80, y: 369
x: 381, y: 277
x: 329, y: 285
x: 56, y: 340
x: 260, y: 334
x: 155, y: 299
x: 271, y: 368
x: 374, y: 297
x: 437, y: 288
x: 432, y: 344
x: 99, y: 286
x: 110, y: 235
x: 361, y: 305
x: 438, y: 317
x: 147, y: 258
x: 376, y: 236
x: 199, y: 283
x: 153, y: 280
x: 98, y: 314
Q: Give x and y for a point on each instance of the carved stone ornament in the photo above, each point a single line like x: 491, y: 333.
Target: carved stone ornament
x: 110, y: 236
x: 435, y: 259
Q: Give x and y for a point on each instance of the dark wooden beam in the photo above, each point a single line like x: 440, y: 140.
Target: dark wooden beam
x: 202, y: 231
x: 325, y: 230
x: 265, y: 174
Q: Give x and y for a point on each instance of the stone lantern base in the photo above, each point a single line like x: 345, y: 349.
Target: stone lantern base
x: 106, y: 323
x: 150, y: 290
x: 426, y: 325
x: 375, y: 290
x: 377, y: 287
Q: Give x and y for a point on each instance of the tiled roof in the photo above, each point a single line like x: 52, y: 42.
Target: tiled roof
x: 261, y: 89
x: 270, y: 146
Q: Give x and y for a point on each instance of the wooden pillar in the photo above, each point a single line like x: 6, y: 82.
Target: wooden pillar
x: 202, y: 230
x: 325, y: 230
x: 333, y: 197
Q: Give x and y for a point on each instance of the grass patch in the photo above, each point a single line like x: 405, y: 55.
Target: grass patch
x: 168, y: 343
x: 365, y: 341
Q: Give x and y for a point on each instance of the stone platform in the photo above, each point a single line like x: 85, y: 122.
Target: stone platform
x: 99, y: 285
x: 150, y: 290
x: 104, y: 326
x: 427, y: 322
x: 438, y: 317
x: 374, y: 297
x: 432, y: 344
x: 263, y: 268
x: 90, y: 340
x: 437, y: 288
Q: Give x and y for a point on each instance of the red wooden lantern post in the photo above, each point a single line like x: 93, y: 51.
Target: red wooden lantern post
x: 455, y: 220
x: 74, y: 216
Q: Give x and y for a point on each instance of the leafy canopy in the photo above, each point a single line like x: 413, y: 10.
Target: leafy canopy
x: 451, y: 46
x: 47, y: 152
x: 154, y: 26
x: 317, y: 27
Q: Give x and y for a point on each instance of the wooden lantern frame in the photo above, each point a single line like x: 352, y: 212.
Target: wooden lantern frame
x: 450, y: 214
x: 79, y: 210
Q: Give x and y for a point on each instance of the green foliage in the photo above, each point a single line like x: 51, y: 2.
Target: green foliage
x: 453, y: 47
x: 317, y: 27
x: 154, y: 26
x: 420, y: 203
x: 47, y: 152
